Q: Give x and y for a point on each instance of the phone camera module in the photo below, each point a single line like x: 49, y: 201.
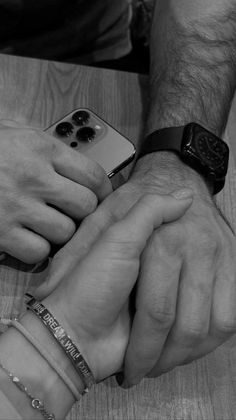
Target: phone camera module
x: 64, y: 129
x: 86, y: 134
x: 80, y: 117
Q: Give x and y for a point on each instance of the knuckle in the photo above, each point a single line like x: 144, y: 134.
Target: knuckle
x: 162, y: 314
x: 98, y: 175
x: 111, y: 232
x: 208, y: 242
x: 172, y: 239
x: 226, y: 325
x: 191, y: 334
x: 37, y: 253
x: 30, y: 171
x: 33, y: 177
x: 149, y: 198
x: 65, y: 230
x: 89, y: 202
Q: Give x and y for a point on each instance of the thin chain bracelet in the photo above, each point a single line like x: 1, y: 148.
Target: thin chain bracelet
x: 35, y: 402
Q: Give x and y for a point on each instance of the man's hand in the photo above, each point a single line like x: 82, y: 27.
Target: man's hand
x: 186, y: 291
x: 91, y: 302
x: 44, y: 187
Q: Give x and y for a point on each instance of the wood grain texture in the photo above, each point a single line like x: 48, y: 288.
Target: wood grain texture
x: 38, y: 93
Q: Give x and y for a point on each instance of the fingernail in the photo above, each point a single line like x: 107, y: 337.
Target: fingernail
x: 129, y: 384
x: 120, y: 378
x: 182, y: 194
x: 125, y: 384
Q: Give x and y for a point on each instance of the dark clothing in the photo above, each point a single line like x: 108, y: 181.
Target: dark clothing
x: 70, y: 30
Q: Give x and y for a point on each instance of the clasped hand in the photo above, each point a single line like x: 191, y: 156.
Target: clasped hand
x: 186, y: 289
x: 92, y: 301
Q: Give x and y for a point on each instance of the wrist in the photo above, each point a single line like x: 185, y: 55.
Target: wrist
x: 78, y: 335
x: 98, y: 349
x: 21, y: 358
x: 164, y: 171
x: 50, y: 345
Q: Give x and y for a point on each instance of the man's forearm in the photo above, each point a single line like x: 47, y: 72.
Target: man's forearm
x: 193, y: 78
x: 193, y: 63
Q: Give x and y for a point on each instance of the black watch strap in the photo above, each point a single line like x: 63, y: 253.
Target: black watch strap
x: 164, y: 139
x: 186, y: 141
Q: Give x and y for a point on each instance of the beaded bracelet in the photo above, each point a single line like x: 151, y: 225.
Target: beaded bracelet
x: 64, y: 340
x: 35, y: 402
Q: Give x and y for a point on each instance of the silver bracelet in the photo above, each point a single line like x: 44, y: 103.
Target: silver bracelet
x: 35, y: 402
x: 64, y: 340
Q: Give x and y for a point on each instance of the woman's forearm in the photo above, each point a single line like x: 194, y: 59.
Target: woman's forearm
x: 24, y: 361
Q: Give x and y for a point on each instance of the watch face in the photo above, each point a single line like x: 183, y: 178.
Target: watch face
x: 211, y: 152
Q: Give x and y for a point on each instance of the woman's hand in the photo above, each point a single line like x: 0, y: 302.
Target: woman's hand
x: 92, y: 302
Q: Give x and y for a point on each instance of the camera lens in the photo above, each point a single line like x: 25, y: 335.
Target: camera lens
x: 86, y: 134
x: 73, y: 144
x: 80, y: 117
x: 64, y: 129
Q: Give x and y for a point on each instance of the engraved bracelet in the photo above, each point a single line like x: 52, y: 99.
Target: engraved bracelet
x: 35, y: 402
x: 69, y: 347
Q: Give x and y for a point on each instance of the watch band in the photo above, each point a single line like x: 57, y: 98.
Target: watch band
x: 181, y: 140
x: 164, y: 139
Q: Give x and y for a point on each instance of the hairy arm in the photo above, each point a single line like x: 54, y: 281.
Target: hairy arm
x: 193, y: 63
x: 193, y: 73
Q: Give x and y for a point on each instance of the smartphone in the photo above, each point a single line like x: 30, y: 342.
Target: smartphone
x: 87, y: 133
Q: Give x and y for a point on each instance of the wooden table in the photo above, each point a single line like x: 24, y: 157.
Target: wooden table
x: 38, y: 93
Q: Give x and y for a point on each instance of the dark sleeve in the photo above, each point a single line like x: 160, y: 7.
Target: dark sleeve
x: 10, y: 12
x: 24, y: 18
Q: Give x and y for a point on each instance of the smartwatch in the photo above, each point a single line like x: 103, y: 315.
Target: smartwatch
x: 197, y: 147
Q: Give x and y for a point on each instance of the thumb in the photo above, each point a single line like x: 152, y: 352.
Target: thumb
x: 149, y: 213
x: 145, y: 216
x: 68, y: 257
x: 113, y: 261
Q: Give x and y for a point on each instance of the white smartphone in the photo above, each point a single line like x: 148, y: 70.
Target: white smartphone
x: 87, y: 133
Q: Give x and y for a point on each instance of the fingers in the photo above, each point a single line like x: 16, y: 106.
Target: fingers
x: 48, y: 222
x: 156, y: 300
x: 155, y: 305
x: 223, y: 317
x: 71, y: 254
x: 155, y: 310
x: 25, y: 246
x: 134, y: 229
x: 149, y: 213
x: 192, y: 322
x: 72, y: 165
x: 113, y: 261
x: 78, y: 168
x: 126, y: 238
x: 223, y: 308
x: 73, y: 199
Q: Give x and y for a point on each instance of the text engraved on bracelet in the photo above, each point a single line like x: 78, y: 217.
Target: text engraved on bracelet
x: 60, y: 334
